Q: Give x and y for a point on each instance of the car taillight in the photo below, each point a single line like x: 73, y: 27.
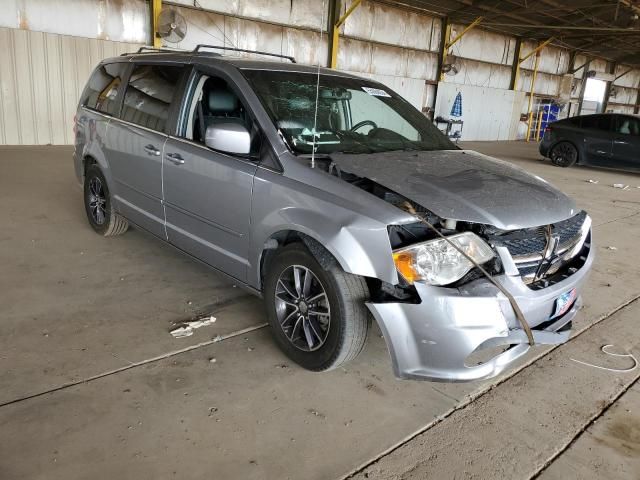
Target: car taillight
x: 548, y: 130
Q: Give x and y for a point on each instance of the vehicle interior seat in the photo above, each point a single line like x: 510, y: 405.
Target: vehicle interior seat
x: 223, y: 106
x: 624, y: 128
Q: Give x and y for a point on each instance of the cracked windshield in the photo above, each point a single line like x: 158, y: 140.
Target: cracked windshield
x: 354, y: 116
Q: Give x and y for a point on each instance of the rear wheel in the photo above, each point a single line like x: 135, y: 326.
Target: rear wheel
x: 564, y: 154
x: 97, y: 204
x: 317, y: 315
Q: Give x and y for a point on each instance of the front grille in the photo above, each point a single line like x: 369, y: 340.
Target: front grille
x: 532, y: 241
x: 528, y: 247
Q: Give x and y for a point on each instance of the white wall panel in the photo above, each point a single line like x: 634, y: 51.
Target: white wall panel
x: 630, y: 79
x: 599, y: 65
x: 620, y: 109
x: 624, y: 95
x: 482, y: 45
x: 121, y: 21
x: 365, y: 57
x: 553, y: 60
x: 488, y: 113
x: 224, y: 30
x: 41, y: 78
x: 546, y: 84
x: 391, y: 25
x: 480, y: 74
x: 301, y: 13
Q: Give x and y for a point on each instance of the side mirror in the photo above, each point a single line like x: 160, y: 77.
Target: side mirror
x: 229, y: 138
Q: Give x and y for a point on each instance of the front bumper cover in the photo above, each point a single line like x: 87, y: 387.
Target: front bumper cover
x: 433, y: 339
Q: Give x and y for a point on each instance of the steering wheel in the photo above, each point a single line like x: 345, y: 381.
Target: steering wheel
x: 362, y: 124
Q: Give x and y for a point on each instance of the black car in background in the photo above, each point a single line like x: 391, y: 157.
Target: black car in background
x: 603, y: 140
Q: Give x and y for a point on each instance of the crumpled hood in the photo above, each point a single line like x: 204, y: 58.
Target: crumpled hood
x: 464, y: 185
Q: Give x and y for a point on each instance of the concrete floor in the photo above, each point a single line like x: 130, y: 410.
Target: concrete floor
x: 93, y: 385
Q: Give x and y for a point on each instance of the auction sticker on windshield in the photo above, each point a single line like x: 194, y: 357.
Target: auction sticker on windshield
x: 377, y: 92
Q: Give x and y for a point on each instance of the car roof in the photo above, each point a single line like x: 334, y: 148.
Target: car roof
x: 605, y: 113
x: 242, y: 63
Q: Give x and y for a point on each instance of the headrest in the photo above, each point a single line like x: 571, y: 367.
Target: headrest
x: 222, y: 100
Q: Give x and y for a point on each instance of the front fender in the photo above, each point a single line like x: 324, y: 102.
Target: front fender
x: 361, y: 247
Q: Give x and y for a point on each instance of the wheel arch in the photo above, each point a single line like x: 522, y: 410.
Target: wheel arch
x: 285, y: 237
x: 571, y: 142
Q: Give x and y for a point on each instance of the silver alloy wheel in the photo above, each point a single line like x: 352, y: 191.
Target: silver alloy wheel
x: 302, y: 308
x: 97, y: 201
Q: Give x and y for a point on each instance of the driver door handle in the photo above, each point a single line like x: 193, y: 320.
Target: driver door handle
x: 175, y: 158
x: 151, y: 150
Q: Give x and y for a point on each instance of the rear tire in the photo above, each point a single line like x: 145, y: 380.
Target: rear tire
x: 97, y: 204
x: 564, y: 154
x: 322, y: 322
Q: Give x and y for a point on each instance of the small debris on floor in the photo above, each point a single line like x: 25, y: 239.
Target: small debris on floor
x: 212, y: 360
x: 212, y: 410
x: 621, y: 186
x: 186, y: 329
x: 610, y: 247
x: 250, y: 349
x: 282, y: 365
x: 593, y: 181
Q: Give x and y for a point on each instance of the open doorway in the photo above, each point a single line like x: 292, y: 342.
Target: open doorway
x: 593, y: 96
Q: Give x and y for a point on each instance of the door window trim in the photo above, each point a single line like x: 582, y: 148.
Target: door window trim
x: 175, y: 100
x: 119, y: 96
x: 180, y: 121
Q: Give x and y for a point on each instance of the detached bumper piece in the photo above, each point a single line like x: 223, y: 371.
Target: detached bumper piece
x: 470, y: 332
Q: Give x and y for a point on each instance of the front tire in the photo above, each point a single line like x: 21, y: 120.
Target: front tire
x: 97, y: 204
x: 564, y: 154
x: 317, y: 315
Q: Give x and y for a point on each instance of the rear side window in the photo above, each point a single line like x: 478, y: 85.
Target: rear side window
x: 597, y: 122
x: 102, y: 90
x: 149, y: 94
x: 628, y: 126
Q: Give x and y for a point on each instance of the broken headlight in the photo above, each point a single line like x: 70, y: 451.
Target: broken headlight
x: 439, y: 263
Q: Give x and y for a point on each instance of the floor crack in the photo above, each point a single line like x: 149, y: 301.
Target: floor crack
x: 140, y: 363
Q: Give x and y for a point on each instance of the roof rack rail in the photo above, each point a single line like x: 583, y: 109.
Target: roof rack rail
x: 201, y: 46
x: 149, y: 49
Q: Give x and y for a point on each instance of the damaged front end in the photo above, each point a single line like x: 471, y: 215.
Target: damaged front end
x: 468, y: 330
x: 462, y: 327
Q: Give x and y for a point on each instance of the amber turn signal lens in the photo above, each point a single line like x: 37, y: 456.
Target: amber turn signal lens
x: 404, y: 264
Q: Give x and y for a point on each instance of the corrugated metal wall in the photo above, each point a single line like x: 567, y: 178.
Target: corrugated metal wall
x: 115, y: 20
x: 41, y: 73
x: 394, y: 46
x: 301, y: 41
x: 625, y: 90
x: 41, y: 78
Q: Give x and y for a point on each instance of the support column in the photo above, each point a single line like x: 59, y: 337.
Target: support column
x: 335, y: 37
x: 445, y: 32
x: 333, y: 14
x: 607, y: 90
x: 571, y: 70
x: 515, y: 67
x: 155, y: 7
x: 584, y: 85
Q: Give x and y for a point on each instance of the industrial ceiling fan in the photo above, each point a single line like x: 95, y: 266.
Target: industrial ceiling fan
x: 172, y: 26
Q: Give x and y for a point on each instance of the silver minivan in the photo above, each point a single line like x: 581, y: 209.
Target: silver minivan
x: 337, y: 201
